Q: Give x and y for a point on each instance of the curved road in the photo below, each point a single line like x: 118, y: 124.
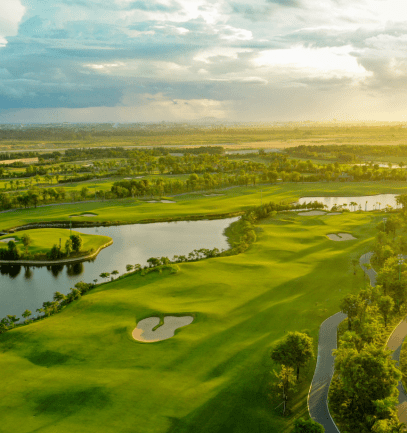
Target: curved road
x: 318, y: 393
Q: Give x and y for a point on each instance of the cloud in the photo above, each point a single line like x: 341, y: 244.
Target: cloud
x: 193, y: 57
x: 144, y: 108
x: 286, y: 3
x: 12, y: 11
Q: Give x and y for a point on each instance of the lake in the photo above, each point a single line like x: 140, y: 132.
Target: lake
x: 24, y: 288
x: 367, y: 202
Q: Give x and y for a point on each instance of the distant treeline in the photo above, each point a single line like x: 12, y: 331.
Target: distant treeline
x: 347, y: 152
x: 110, y: 152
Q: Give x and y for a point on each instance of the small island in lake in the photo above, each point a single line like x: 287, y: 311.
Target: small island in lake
x: 50, y: 245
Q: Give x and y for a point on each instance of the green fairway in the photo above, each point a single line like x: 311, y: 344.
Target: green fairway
x: 81, y: 371
x: 44, y: 239
x: 195, y: 204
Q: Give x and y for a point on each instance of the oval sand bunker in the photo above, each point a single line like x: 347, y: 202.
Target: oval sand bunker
x: 341, y: 237
x: 312, y: 213
x: 144, y: 330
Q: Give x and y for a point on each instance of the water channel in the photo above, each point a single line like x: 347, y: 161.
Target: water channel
x: 24, y: 288
x: 366, y: 202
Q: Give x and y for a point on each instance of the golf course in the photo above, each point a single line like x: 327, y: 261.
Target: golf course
x: 81, y: 369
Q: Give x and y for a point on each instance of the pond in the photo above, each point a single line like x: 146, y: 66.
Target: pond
x: 366, y: 202
x: 24, y: 288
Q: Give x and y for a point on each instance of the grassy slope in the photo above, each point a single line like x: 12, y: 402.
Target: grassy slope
x: 234, y: 199
x: 81, y: 371
x: 44, y: 239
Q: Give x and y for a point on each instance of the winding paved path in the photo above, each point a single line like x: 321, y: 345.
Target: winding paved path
x: 318, y: 393
x: 394, y: 344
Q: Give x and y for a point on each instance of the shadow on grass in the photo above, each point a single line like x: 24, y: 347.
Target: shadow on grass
x: 47, y: 358
x: 72, y: 400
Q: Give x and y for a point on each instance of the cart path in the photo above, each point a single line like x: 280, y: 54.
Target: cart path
x: 318, y: 393
x: 394, y: 344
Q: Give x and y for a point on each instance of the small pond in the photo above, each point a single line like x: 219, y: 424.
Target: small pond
x: 366, y: 202
x: 24, y: 288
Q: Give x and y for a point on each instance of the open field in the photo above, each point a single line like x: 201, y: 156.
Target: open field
x: 81, y: 370
x: 44, y: 239
x: 255, y: 136
x: 195, y: 204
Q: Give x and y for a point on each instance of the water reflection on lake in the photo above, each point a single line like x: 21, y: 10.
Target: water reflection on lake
x: 366, y: 202
x: 28, y: 287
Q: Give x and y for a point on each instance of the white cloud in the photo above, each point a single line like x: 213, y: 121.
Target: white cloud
x: 12, y: 11
x: 323, y: 62
x: 209, y: 55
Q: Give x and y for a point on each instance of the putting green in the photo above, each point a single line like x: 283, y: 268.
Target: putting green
x: 81, y: 370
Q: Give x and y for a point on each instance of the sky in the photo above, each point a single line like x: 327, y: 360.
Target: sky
x: 185, y: 60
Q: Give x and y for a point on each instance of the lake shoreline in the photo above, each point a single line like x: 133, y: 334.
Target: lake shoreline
x: 90, y: 224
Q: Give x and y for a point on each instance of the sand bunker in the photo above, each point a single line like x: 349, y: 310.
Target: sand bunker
x: 144, y: 330
x: 8, y: 240
x: 160, y: 201
x: 85, y: 215
x: 341, y: 237
x: 312, y: 213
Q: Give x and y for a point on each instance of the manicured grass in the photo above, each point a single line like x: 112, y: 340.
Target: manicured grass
x: 81, y: 371
x: 195, y: 204
x: 44, y: 239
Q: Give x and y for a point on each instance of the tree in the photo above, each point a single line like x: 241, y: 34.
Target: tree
x: 295, y: 351
x: 349, y: 306
x: 74, y: 294
x: 76, y: 243
x: 26, y: 315
x: 54, y: 253
x: 364, y: 379
x: 153, y: 261
x: 115, y: 272
x: 68, y: 247
x: 286, y: 383
x: 307, y: 426
x: 388, y: 426
x: 129, y: 268
x: 385, y: 305
x: 84, y: 192
x: 12, y: 320
x: 58, y: 297
x: 104, y: 275
x: 26, y: 240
